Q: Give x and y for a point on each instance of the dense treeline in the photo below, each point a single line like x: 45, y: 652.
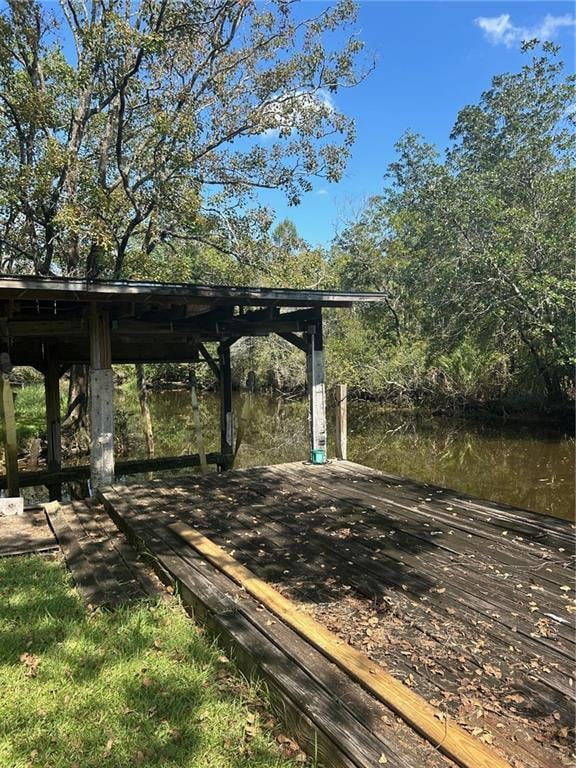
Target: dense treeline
x: 475, y: 250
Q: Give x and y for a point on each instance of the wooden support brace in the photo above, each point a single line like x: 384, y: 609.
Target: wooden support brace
x: 295, y: 340
x: 142, y: 387
x: 101, y: 401
x: 121, y: 468
x: 197, y: 421
x: 53, y: 418
x: 212, y: 364
x: 316, y: 387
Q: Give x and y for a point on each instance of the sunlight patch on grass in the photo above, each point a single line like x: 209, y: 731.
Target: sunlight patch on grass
x: 138, y: 686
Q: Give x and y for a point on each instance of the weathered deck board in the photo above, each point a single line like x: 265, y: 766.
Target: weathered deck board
x: 26, y: 534
x: 103, y: 569
x: 270, y: 532
x: 325, y: 710
x: 374, y: 569
x: 507, y: 651
x: 466, y: 600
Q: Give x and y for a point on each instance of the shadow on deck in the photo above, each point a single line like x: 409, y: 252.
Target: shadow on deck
x: 465, y: 601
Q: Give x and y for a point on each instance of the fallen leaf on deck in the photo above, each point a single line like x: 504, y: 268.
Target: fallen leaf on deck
x: 515, y: 697
x: 491, y: 670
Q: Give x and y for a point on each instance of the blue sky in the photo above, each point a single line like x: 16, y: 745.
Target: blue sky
x: 433, y: 58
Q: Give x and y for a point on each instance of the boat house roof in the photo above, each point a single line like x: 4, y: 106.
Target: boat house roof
x: 150, y: 322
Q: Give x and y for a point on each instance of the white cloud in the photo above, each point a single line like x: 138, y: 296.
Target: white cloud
x: 501, y: 29
x: 289, y: 110
x: 322, y: 191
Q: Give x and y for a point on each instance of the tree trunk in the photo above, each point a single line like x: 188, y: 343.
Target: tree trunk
x: 145, y: 409
x: 76, y: 417
x: 74, y: 427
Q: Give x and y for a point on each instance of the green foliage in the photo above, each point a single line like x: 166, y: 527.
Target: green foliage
x: 477, y: 252
x: 278, y: 365
x: 286, y: 259
x: 472, y: 374
x: 30, y: 412
x: 137, y: 686
x: 140, y: 154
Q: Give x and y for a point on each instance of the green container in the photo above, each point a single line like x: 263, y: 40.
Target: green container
x: 318, y: 456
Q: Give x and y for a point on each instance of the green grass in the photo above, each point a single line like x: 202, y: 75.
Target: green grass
x: 140, y: 686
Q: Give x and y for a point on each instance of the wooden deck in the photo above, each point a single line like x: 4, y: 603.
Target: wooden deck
x: 26, y: 534
x: 469, y: 603
x: 105, y: 568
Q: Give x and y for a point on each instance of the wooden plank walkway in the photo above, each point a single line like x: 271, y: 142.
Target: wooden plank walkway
x: 26, y: 534
x: 468, y: 602
x: 329, y: 715
x: 105, y: 568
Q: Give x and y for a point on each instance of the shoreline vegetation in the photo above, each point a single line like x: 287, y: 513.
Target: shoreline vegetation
x: 30, y: 408
x: 29, y: 397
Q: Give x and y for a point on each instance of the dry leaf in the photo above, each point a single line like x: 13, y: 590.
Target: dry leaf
x: 491, y: 670
x: 31, y: 663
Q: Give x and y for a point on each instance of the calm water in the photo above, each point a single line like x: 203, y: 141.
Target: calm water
x: 526, y: 466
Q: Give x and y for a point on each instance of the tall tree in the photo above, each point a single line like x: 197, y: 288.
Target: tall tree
x: 478, y: 249
x: 133, y: 128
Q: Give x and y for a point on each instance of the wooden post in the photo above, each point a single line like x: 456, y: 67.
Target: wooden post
x: 101, y: 401
x: 316, y: 387
x: 226, y: 415
x: 341, y: 393
x: 197, y: 420
x: 53, y: 431
x: 9, y: 424
x: 142, y: 388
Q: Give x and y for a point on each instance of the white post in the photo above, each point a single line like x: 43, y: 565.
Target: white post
x: 101, y: 401
x: 316, y: 388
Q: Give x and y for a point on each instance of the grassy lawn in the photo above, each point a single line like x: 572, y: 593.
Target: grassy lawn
x: 140, y: 686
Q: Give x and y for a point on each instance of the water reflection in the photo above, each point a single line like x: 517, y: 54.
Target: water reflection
x: 522, y: 465
x: 515, y: 464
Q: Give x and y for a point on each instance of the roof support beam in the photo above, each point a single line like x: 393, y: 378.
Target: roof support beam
x: 226, y: 414
x: 316, y: 391
x: 101, y: 401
